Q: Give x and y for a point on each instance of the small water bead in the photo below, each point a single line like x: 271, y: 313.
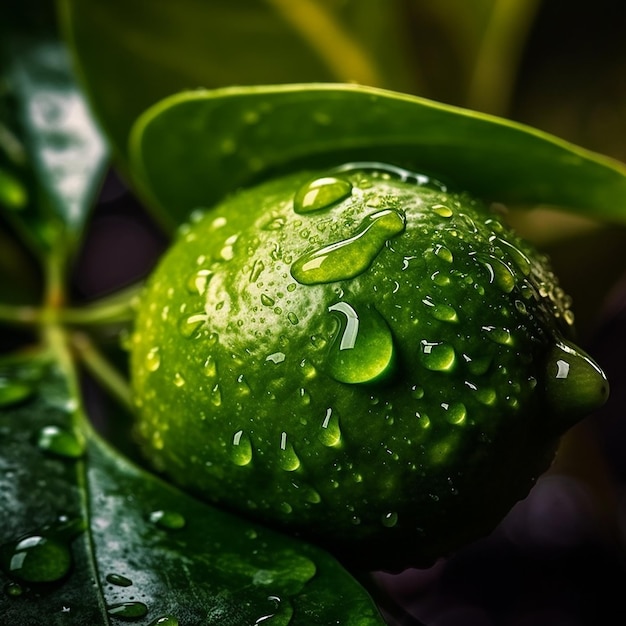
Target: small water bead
x: 227, y: 252
x: 287, y: 459
x: 330, y: 432
x: 350, y: 257
x: 455, y: 412
x: 179, y: 381
x: 165, y: 620
x: 131, y: 610
x: 389, y: 520
x: 501, y: 336
x: 153, y: 359
x: 443, y: 280
x: 437, y: 356
x: 444, y: 313
x: 487, y: 396
x: 198, y: 282
x: 443, y: 253
x: 13, y: 590
x: 216, y: 395
x: 266, y: 300
x: 364, y: 349
x: 243, y: 389
x: 60, y: 442
x: 519, y: 258
x: 417, y: 392
x: 321, y: 193
x: 118, y: 580
x: 241, y: 453
x: 293, y: 318
x: 276, y: 357
x: 209, y: 367
x: 167, y: 519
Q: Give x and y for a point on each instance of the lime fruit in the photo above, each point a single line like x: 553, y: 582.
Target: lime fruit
x: 361, y: 357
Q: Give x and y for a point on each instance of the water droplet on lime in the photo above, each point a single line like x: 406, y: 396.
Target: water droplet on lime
x: 499, y: 335
x: 198, y: 282
x: 389, y: 520
x: 437, y: 356
x: 363, y: 350
x: 500, y: 273
x: 14, y: 391
x: 321, y: 193
x: 287, y: 458
x: 257, y: 268
x: 330, y: 432
x: 350, y: 257
x: 153, y: 359
x: 189, y: 326
x: 241, y: 453
x: 455, y: 412
x: 442, y: 210
x: 444, y: 313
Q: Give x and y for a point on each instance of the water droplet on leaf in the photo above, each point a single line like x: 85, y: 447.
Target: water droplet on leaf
x: 153, y: 359
x: 119, y: 580
x: 168, y: 520
x: 61, y: 442
x: 128, y: 610
x: 330, y: 433
x: 14, y: 391
x: 437, y: 356
x: 241, y: 453
x: 287, y: 458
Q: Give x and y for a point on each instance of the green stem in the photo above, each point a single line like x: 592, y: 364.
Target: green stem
x: 102, y: 370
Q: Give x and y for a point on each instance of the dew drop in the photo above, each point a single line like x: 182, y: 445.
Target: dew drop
x: 321, y: 193
x: 13, y: 589
x: 517, y: 256
x: 42, y: 556
x: 14, y: 392
x: 257, y: 268
x: 119, y: 580
x: 437, y: 356
x: 443, y: 253
x: 241, y: 453
x: 330, y: 432
x: 287, y: 458
x: 487, y: 396
x: 276, y: 357
x: 243, y: 389
x: 153, y: 359
x: 209, y: 367
x: 389, y: 520
x: 198, y: 282
x: 350, y: 257
x: 574, y: 383
x: 455, y: 412
x: 501, y: 336
x: 442, y: 210
x: 500, y: 274
x: 444, y: 313
x: 190, y: 326
x: 165, y: 620
x: 216, y: 396
x: 60, y: 442
x: 167, y: 519
x: 179, y: 381
x: 364, y: 350
x: 131, y: 610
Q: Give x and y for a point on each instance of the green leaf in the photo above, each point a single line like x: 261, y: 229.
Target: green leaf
x: 192, y: 149
x: 51, y: 154
x: 154, y: 50
x: 113, y: 541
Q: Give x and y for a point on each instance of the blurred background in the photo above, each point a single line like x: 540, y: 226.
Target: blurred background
x: 560, y: 65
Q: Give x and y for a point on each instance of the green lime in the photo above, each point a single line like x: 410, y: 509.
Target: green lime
x: 361, y: 357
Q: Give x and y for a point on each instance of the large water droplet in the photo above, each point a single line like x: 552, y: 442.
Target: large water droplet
x: 287, y: 457
x: 131, y: 610
x: 574, y: 383
x: 363, y: 351
x: 350, y: 257
x: 517, y: 256
x: 61, y: 442
x: 330, y: 433
x: 438, y: 356
x: 455, y: 412
x: 42, y: 556
x: 241, y: 452
x: 320, y: 194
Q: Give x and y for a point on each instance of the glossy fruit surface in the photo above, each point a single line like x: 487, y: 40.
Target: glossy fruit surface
x: 361, y: 356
